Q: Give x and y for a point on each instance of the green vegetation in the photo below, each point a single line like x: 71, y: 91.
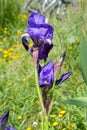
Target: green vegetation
x: 17, y: 82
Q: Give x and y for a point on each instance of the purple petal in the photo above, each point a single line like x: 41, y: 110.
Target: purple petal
x: 35, y: 18
x: 44, y: 50
x: 40, y: 32
x: 46, y: 76
x: 9, y: 128
x: 49, y: 31
x: 63, y: 78
x: 4, y: 119
x: 24, y: 41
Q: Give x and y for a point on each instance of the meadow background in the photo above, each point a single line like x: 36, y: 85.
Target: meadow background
x: 17, y: 82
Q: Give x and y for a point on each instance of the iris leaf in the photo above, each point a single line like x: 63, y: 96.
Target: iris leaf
x: 78, y: 101
x: 83, y: 58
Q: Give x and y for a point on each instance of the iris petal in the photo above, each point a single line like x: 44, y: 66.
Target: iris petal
x: 4, y: 120
x: 44, y: 50
x: 24, y: 41
x: 9, y: 128
x: 63, y: 78
x: 35, y: 18
x: 46, y: 76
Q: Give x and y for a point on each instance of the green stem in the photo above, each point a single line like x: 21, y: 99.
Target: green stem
x: 40, y: 98
x: 53, y: 87
x: 46, y: 122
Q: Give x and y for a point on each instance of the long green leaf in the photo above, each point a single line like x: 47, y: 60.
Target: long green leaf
x: 83, y: 58
x: 79, y: 101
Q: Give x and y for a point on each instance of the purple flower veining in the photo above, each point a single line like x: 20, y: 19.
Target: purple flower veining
x: 3, y: 122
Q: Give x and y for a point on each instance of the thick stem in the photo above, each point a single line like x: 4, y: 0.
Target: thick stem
x: 46, y: 123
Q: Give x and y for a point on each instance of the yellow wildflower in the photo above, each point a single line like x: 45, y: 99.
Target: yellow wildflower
x: 55, y: 123
x: 19, y: 32
x: 5, y: 31
x: 53, y: 116
x: 62, y: 112
x: 24, y: 79
x: 1, y: 49
x: 70, y: 47
x: 11, y: 49
x: 15, y: 56
x: 1, y: 43
x: 4, y: 39
x: 60, y: 115
x: 5, y: 56
x: 10, y: 84
x: 18, y: 16
x: 24, y: 16
x: 9, y: 53
x: 28, y: 128
x: 5, y: 28
x: 70, y: 126
x: 30, y: 45
x: 5, y: 51
x: 21, y: 44
x: 19, y: 118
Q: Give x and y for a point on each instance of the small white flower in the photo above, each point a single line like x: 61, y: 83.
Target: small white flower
x: 34, y: 124
x: 40, y: 113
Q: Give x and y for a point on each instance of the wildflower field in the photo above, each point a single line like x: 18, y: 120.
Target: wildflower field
x: 18, y: 91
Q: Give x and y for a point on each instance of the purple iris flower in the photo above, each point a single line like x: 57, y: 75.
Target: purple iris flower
x: 3, y: 122
x: 46, y: 75
x: 38, y: 29
x: 40, y: 33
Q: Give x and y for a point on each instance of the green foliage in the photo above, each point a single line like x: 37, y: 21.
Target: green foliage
x: 83, y: 58
x: 17, y: 84
x: 9, y: 11
x: 79, y: 101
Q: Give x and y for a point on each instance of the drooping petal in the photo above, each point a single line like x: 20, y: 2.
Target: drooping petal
x: 9, y: 128
x: 46, y: 76
x: 63, y: 78
x: 3, y: 120
x: 24, y: 40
